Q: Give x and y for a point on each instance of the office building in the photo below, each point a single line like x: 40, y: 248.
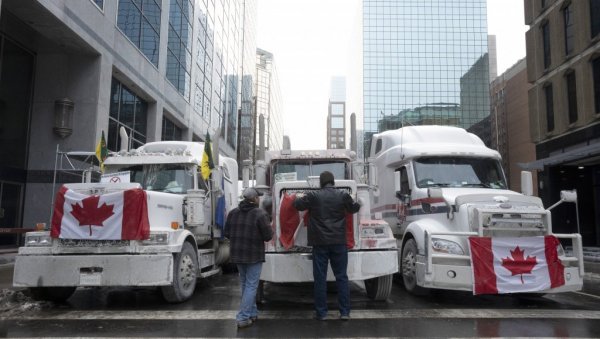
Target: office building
x: 336, y: 114
x: 263, y: 130
x: 161, y: 69
x: 424, y: 57
x: 563, y: 67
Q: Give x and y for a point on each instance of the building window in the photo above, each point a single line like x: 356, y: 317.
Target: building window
x: 337, y: 122
x: 99, y: 3
x: 549, y: 108
x: 572, y: 96
x: 337, y: 109
x: 129, y: 111
x: 546, y: 43
x: 170, y: 131
x: 569, y: 29
x: 596, y: 80
x: 595, y: 17
x: 179, y: 50
x: 140, y: 22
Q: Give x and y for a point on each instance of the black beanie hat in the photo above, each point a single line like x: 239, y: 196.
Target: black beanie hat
x: 326, y: 178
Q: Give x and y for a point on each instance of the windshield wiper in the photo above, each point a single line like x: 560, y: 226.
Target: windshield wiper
x: 480, y: 184
x: 438, y: 184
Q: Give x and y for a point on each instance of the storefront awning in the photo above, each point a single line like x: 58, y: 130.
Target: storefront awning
x: 561, y: 158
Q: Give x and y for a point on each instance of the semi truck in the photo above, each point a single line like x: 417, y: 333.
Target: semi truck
x: 372, y: 247
x: 168, y: 235
x: 438, y: 186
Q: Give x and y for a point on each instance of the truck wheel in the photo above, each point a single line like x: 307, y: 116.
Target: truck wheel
x: 185, y: 274
x: 409, y: 268
x: 55, y: 294
x: 379, y: 288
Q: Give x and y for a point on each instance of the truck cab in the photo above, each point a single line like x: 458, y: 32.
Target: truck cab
x: 178, y: 223
x: 372, y: 249
x: 438, y: 186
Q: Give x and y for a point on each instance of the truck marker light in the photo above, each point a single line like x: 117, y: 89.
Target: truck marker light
x: 174, y: 225
x: 40, y: 226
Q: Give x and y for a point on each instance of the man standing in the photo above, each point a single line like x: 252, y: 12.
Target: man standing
x: 327, y: 236
x: 247, y: 228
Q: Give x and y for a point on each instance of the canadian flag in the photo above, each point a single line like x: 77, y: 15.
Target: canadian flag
x: 112, y: 216
x: 512, y: 265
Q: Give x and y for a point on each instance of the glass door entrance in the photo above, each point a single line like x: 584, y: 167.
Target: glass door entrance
x: 10, y: 211
x: 16, y: 86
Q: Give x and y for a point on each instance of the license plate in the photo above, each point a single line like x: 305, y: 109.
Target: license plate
x: 90, y: 279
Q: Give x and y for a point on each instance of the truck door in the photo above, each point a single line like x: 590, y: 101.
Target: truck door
x: 402, y: 195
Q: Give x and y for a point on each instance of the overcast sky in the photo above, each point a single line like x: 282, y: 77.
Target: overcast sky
x: 310, y: 41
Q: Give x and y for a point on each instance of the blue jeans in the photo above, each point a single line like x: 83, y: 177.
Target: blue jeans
x: 337, y: 255
x: 249, y: 279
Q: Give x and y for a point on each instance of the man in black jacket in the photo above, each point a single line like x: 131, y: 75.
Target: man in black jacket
x: 247, y: 228
x: 327, y: 236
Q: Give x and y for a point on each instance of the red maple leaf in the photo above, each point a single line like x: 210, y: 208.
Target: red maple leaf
x: 90, y: 214
x: 518, y: 264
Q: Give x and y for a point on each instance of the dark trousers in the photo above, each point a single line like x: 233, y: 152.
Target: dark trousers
x: 337, y: 255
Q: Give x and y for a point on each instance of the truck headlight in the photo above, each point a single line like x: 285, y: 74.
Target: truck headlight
x: 373, y: 232
x: 158, y: 238
x: 446, y: 246
x: 39, y: 239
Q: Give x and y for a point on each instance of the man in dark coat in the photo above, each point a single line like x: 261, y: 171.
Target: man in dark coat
x: 327, y: 236
x: 247, y: 228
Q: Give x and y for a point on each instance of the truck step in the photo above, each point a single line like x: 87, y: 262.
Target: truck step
x: 210, y: 273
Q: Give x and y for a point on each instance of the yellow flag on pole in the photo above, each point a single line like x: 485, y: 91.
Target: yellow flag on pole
x: 101, y: 152
x: 207, y: 160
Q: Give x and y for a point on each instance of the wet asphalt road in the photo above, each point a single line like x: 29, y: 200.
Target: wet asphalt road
x: 286, y: 312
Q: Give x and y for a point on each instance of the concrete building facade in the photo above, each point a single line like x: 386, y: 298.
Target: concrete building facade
x: 563, y: 67
x: 510, y: 122
x: 162, y: 69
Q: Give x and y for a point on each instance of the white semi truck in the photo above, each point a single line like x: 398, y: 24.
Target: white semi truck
x: 185, y: 225
x: 372, y: 254
x: 439, y: 185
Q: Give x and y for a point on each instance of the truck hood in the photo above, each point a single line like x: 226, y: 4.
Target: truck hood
x: 461, y: 196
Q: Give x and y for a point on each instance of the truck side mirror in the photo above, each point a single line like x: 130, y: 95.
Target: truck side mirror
x: 526, y: 183
x: 372, y: 174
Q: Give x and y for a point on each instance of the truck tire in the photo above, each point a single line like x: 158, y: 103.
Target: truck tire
x: 55, y: 294
x: 185, y: 274
x: 379, y: 288
x: 408, y: 267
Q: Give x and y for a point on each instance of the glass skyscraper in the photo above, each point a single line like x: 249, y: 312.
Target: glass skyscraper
x: 424, y: 62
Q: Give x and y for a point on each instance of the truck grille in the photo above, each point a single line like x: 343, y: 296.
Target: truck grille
x: 306, y: 190
x: 92, y: 243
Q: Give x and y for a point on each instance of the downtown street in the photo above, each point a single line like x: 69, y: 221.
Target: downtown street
x: 286, y: 312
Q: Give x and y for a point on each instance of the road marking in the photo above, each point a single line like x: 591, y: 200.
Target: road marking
x: 588, y: 295
x: 299, y: 315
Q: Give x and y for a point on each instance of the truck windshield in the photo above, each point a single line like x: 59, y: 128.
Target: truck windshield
x: 293, y: 170
x: 170, y: 178
x: 459, y: 172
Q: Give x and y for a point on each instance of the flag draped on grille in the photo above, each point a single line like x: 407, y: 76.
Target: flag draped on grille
x: 207, y: 159
x: 101, y: 152
x: 112, y: 216
x: 512, y: 265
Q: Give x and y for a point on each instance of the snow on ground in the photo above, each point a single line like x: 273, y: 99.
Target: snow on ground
x: 16, y: 302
